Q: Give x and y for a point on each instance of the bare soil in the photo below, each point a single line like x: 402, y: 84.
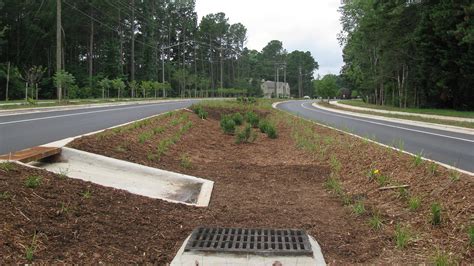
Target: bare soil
x: 268, y: 183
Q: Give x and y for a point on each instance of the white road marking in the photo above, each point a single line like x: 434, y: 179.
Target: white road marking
x: 387, y: 125
x: 83, y: 113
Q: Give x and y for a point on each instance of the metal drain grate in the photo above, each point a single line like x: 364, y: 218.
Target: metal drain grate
x: 250, y: 241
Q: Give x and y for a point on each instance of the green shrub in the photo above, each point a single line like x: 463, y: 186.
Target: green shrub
x: 334, y: 184
x: 272, y: 132
x: 7, y: 166
x: 442, y: 259
x: 33, y: 181
x: 238, y: 119
x: 185, y: 161
x: 436, y: 213
x: 252, y: 118
x: 246, y: 135
x: 228, y: 125
x: 203, y: 114
x: 263, y: 126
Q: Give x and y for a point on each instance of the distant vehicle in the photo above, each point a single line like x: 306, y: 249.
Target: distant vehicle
x: 307, y: 98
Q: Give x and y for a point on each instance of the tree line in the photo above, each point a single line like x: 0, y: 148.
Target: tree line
x: 135, y: 48
x: 410, y: 53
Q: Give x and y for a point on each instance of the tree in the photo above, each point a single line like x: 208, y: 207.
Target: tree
x: 119, y: 86
x: 64, y: 80
x: 105, y: 84
x: 326, y: 87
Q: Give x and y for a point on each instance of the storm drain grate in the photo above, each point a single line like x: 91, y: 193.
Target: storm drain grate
x: 286, y: 242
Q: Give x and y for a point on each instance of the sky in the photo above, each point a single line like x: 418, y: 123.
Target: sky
x: 305, y: 25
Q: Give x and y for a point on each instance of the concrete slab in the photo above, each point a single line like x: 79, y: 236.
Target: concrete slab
x: 214, y: 259
x: 134, y: 178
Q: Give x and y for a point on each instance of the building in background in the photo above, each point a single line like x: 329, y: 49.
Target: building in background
x: 282, y: 89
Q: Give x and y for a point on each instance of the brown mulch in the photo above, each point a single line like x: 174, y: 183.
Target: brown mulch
x: 268, y: 183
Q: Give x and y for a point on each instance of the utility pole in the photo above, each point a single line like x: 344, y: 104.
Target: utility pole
x: 91, y: 50
x: 300, y: 82
x: 58, y: 44
x: 222, y: 68
x: 132, y: 55
x: 8, y: 80
x: 284, y: 80
x: 278, y: 81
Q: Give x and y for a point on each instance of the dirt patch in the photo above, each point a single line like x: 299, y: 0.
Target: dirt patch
x: 268, y: 183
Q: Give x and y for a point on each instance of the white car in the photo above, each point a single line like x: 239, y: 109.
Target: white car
x: 307, y: 98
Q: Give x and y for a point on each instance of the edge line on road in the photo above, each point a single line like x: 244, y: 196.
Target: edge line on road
x: 84, y: 113
x: 387, y: 125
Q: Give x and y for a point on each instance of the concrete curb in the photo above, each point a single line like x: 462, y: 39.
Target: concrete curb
x: 80, y: 106
x: 381, y: 144
x: 454, y: 129
x: 441, y: 117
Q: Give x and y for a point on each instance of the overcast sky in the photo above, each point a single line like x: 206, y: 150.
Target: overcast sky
x: 305, y: 25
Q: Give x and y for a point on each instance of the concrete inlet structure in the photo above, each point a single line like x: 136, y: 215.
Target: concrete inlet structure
x: 134, y: 178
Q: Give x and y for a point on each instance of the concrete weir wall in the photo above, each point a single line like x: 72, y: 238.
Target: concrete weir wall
x: 134, y: 178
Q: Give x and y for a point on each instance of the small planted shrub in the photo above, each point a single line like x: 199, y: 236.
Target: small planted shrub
x: 414, y: 203
x: 87, y: 194
x: 238, y: 119
x: 358, y: 208
x: 436, y: 213
x: 144, y: 137
x: 7, y: 166
x: 382, y: 179
x: 228, y: 125
x: 376, y: 222
x: 185, y: 161
x: 4, y: 195
x: 402, y: 236
x: 263, y: 125
x: 253, y: 119
x: 245, y: 136
x: 471, y: 235
x: 334, y: 185
x: 199, y: 111
x: 30, y: 250
x: 433, y: 168
x: 442, y: 258
x: 272, y: 132
x: 33, y: 181
x: 454, y: 175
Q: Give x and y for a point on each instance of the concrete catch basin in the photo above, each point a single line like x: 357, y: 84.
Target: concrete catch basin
x: 134, y: 178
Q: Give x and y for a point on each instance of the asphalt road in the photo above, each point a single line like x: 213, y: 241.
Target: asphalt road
x: 22, y: 131
x: 454, y: 149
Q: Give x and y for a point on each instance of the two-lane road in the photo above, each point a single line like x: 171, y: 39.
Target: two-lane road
x: 454, y: 149
x: 22, y: 131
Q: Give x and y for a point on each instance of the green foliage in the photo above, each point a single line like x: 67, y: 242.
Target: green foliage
x: 272, y: 132
x: 5, y: 195
x: 31, y: 249
x: 228, y: 124
x: 358, y: 208
x: 33, y: 181
x: 471, y: 235
x: 433, y: 168
x: 436, y: 213
x: 238, y: 119
x: 454, y: 175
x: 245, y: 135
x: 382, y: 179
x: 418, y: 159
x: 144, y: 137
x: 442, y: 258
x: 185, y: 161
x: 326, y: 87
x: 402, y: 236
x: 414, y: 203
x: 376, y: 222
x: 87, y: 194
x: 252, y: 118
x: 7, y: 166
x: 263, y: 125
x: 333, y: 184
x: 201, y: 113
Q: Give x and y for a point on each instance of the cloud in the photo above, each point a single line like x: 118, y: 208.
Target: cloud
x: 305, y: 25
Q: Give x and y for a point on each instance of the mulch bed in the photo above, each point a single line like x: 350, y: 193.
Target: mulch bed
x: 268, y: 183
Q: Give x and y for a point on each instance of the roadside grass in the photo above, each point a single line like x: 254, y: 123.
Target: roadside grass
x: 376, y: 222
x: 86, y: 194
x: 358, y: 208
x: 5, y: 195
x: 31, y: 249
x: 436, y: 213
x: 445, y: 112
x: 442, y: 258
x: 408, y: 116
x: 471, y: 235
